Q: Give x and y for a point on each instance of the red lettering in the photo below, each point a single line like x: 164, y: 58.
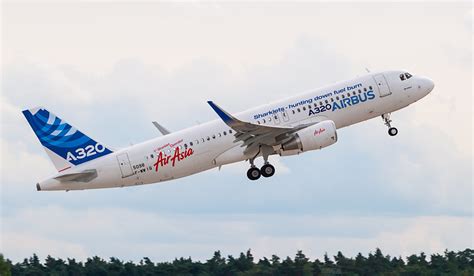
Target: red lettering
x: 319, y: 131
x: 177, y: 156
x: 160, y: 161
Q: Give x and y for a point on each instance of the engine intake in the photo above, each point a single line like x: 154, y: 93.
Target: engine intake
x: 314, y: 137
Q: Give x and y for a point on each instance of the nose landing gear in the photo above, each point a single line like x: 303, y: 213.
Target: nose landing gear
x: 392, y: 131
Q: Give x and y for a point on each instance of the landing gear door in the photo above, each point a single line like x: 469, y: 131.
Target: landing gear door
x: 382, y: 85
x: 124, y: 164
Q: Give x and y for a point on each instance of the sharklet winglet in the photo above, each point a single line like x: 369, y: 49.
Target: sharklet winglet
x: 226, y: 117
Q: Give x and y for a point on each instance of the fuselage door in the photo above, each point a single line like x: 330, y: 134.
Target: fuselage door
x: 124, y: 164
x: 382, y: 85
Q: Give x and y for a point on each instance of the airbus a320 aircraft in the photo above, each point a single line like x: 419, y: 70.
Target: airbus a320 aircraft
x: 298, y: 124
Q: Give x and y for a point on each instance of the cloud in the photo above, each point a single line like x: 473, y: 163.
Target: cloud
x: 368, y: 190
x: 132, y: 235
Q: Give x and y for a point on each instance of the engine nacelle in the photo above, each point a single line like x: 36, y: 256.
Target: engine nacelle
x: 314, y: 137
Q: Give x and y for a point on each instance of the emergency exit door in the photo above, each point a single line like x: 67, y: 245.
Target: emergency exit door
x: 382, y: 85
x: 124, y: 164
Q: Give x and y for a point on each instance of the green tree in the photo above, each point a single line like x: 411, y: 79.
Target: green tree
x: 5, y: 268
x: 55, y: 267
x: 74, y: 268
x: 95, y: 266
x: 316, y: 267
x: 300, y: 264
x: 216, y: 264
x: 287, y: 267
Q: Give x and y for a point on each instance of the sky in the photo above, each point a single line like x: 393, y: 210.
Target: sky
x: 110, y: 69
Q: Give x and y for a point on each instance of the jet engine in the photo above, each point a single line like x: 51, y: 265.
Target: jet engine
x: 314, y: 137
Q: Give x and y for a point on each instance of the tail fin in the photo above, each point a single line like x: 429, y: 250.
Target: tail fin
x: 65, y: 145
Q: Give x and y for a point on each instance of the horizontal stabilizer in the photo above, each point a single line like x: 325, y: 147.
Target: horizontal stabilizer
x: 84, y: 176
x: 161, y: 128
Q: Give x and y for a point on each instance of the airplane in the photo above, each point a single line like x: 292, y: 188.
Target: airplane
x: 301, y: 123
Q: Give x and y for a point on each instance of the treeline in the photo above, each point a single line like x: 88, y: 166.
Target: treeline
x: 450, y: 263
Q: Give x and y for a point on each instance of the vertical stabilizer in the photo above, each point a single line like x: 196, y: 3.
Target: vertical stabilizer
x: 65, y: 145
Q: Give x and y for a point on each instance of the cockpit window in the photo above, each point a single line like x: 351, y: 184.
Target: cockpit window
x: 405, y: 76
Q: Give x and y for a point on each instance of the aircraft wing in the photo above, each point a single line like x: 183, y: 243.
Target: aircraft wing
x: 254, y: 135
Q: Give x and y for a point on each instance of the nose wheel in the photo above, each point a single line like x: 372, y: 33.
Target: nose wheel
x: 392, y: 131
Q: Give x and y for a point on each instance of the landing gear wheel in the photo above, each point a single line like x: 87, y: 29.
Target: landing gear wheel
x: 253, y: 173
x: 392, y: 131
x: 267, y: 170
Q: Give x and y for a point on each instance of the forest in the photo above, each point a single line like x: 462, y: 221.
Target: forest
x: 376, y: 263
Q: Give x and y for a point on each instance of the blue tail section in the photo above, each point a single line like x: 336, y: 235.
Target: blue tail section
x: 62, y: 139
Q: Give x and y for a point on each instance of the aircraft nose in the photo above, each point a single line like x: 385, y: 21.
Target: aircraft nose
x: 427, y: 84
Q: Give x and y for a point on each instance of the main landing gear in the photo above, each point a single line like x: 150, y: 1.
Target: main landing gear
x: 267, y: 170
x: 392, y: 131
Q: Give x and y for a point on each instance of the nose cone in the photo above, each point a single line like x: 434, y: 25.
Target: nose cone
x: 426, y: 84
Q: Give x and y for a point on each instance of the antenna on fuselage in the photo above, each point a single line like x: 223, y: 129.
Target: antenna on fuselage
x: 367, y: 69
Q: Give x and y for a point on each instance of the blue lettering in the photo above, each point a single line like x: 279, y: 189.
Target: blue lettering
x: 354, y: 100
x: 363, y: 97
x: 371, y: 95
x: 346, y: 102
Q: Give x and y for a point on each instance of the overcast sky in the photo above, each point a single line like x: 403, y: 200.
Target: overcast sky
x: 110, y: 69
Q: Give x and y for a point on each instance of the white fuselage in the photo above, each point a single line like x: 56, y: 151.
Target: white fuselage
x: 212, y: 144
